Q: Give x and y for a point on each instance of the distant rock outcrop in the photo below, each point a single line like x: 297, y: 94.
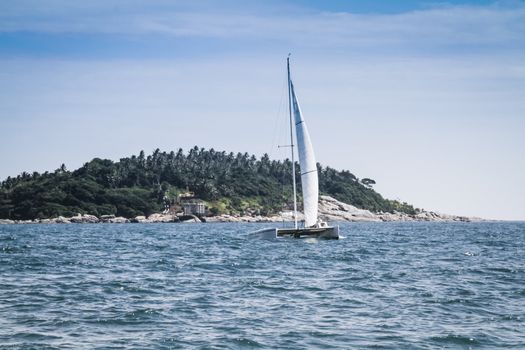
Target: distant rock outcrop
x: 162, y: 218
x: 330, y: 209
x: 84, y: 219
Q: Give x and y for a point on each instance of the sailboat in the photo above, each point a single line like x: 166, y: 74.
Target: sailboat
x: 312, y: 227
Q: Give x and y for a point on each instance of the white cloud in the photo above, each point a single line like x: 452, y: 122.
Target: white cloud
x: 443, y: 26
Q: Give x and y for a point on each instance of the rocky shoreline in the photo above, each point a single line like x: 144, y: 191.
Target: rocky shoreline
x: 330, y: 209
x: 107, y: 219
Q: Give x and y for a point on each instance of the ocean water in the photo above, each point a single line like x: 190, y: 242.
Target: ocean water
x: 207, y: 286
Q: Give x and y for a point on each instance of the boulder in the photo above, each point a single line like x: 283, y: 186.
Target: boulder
x: 333, y: 210
x: 76, y: 219
x: 189, y: 218
x: 139, y: 219
x: 61, y: 220
x: 84, y: 219
x: 220, y: 218
x: 106, y: 218
x: 157, y: 217
x: 118, y: 220
x: 90, y: 219
x: 6, y: 222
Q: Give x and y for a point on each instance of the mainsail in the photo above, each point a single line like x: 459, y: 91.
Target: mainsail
x: 309, y: 180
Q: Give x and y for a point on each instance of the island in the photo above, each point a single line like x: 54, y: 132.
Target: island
x: 201, y: 185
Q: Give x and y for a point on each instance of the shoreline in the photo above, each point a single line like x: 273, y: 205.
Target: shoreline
x: 330, y: 210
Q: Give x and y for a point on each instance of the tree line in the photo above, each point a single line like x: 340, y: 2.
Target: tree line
x: 140, y: 185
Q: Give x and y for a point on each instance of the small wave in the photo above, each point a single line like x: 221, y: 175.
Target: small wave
x: 245, y: 342
x: 141, y: 314
x: 169, y: 287
x: 131, y: 317
x: 7, y: 238
x: 501, y: 269
x: 9, y: 249
x: 30, y: 336
x: 455, y: 339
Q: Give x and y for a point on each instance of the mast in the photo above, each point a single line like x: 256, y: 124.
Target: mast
x: 291, y: 141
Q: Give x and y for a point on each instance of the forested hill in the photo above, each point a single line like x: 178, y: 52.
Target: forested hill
x: 140, y: 185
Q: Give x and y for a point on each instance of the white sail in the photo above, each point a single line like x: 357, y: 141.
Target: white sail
x: 309, y: 179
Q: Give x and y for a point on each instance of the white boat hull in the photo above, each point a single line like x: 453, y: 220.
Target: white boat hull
x: 328, y: 232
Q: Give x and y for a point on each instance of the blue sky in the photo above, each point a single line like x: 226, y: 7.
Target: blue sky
x: 425, y: 97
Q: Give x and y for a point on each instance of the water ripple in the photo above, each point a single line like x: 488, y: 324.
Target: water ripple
x: 170, y: 286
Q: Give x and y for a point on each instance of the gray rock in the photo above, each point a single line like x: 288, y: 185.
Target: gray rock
x: 157, y: 217
x: 118, y: 220
x: 140, y: 220
x: 189, y: 219
x: 84, y: 219
x: 76, y: 219
x: 90, y: 219
x: 106, y: 218
x: 333, y: 210
x: 61, y: 220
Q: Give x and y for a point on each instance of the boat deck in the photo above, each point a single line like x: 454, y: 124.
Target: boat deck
x: 316, y: 232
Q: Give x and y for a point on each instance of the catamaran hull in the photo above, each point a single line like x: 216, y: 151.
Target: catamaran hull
x: 330, y: 232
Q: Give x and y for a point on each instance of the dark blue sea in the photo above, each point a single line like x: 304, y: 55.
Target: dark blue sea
x: 207, y: 286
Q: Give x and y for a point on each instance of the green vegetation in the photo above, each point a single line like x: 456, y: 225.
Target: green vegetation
x: 140, y: 185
